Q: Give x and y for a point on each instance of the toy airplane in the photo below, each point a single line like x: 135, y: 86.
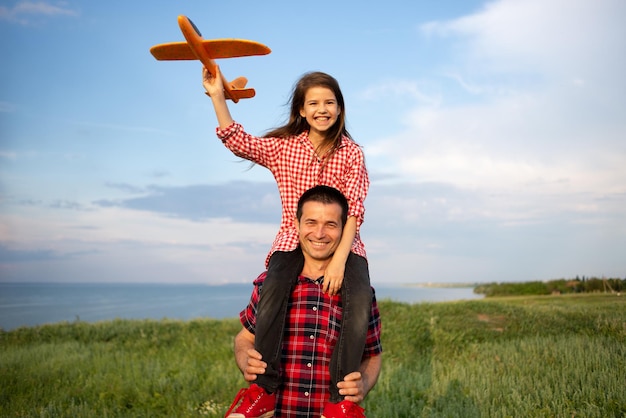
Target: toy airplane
x: 206, y: 50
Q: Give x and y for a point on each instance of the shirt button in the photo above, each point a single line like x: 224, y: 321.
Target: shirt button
x: 306, y: 393
x: 315, y: 308
x: 309, y: 365
x: 311, y: 337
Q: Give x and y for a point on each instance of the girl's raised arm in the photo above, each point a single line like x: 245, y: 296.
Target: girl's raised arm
x: 215, y: 89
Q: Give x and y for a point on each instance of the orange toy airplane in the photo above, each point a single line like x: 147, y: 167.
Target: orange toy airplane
x: 206, y: 50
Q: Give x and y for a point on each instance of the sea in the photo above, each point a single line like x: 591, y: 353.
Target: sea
x: 32, y: 304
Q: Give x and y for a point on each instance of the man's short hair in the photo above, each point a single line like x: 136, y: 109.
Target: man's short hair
x: 326, y: 195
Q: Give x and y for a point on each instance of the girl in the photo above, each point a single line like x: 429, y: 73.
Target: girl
x: 312, y: 148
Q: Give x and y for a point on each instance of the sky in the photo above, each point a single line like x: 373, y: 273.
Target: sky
x: 494, y: 134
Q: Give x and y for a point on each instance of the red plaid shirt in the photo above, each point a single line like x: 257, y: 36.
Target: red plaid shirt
x: 311, y: 332
x: 296, y: 168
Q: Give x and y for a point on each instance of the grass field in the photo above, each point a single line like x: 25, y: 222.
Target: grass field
x: 537, y: 356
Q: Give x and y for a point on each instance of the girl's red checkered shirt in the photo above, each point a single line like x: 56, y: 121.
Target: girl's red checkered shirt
x: 296, y: 168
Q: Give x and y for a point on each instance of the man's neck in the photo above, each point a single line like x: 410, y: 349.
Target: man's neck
x: 314, y: 269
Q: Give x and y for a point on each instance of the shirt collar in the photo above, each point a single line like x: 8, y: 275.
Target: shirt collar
x: 304, y: 138
x: 317, y: 281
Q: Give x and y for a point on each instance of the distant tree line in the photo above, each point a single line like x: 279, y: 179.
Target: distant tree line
x: 557, y: 286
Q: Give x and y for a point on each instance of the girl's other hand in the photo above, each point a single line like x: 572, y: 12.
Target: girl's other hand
x: 333, y: 278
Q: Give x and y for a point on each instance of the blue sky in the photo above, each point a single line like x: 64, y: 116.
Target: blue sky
x: 494, y: 133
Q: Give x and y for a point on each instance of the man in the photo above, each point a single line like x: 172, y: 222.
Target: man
x: 311, y: 330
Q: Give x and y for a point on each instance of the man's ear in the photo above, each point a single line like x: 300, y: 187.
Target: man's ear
x: 296, y: 224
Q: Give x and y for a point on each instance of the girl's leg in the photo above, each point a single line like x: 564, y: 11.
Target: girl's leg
x: 282, y: 272
x: 356, y: 297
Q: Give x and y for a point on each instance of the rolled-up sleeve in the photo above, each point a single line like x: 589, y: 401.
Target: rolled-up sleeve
x: 373, y: 344
x: 247, y: 317
x: 357, y: 184
x: 259, y: 150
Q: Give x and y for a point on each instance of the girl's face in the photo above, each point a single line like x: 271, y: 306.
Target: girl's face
x: 320, y: 110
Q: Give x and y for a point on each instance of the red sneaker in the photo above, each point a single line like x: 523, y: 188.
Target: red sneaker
x: 343, y: 409
x: 255, y: 403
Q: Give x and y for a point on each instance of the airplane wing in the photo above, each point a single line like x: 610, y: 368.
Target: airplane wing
x: 215, y: 48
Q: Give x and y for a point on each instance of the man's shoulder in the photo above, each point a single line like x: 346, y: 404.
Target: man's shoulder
x: 259, y: 280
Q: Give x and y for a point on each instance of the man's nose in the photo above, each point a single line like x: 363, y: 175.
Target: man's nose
x: 320, y: 231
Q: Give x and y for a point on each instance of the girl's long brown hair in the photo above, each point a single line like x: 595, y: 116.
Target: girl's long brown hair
x: 297, y: 124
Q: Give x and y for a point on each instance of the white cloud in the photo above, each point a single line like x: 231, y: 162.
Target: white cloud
x: 22, y: 11
x: 53, y: 227
x: 399, y: 88
x: 561, y: 129
x: 116, y: 244
x: 536, y: 35
x: 8, y: 155
x: 523, y: 149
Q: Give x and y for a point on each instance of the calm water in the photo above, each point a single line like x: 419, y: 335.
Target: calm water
x: 35, y: 304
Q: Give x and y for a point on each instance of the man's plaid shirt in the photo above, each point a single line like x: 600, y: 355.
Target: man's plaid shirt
x: 296, y: 168
x: 311, y: 332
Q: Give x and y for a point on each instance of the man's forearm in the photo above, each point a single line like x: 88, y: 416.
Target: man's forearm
x: 370, y: 370
x: 347, y: 238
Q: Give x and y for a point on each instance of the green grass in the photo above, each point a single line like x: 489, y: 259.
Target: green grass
x: 536, y: 356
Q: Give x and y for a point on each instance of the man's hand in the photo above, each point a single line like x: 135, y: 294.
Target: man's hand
x: 352, y: 387
x: 248, y: 359
x: 255, y: 365
x: 333, y: 277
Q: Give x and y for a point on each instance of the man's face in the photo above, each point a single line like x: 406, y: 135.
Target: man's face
x: 319, y: 229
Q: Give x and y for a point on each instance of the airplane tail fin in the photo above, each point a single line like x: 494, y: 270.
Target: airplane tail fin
x: 236, y: 94
x: 239, y: 83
